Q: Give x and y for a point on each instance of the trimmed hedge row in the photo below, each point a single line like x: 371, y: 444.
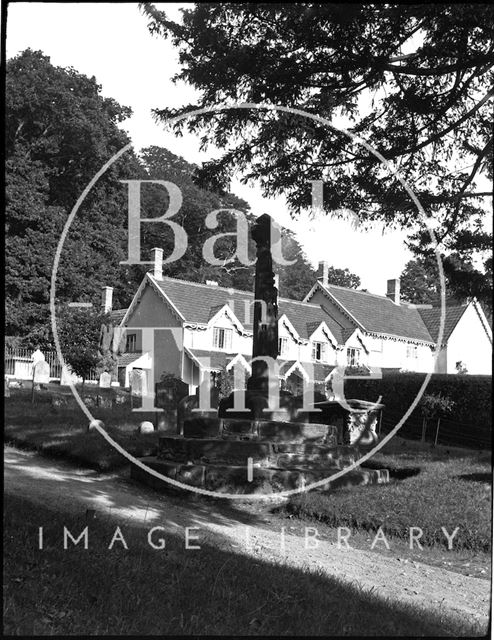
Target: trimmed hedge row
x: 472, y: 394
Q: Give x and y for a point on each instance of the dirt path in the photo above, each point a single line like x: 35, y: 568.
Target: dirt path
x: 68, y: 488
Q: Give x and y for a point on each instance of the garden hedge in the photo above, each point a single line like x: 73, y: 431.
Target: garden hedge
x: 472, y: 414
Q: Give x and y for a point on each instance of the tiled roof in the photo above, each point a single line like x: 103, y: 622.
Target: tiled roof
x: 214, y: 310
x: 217, y: 359
x: 319, y: 370
x: 306, y: 317
x: 198, y: 303
x: 378, y: 314
x: 432, y: 318
x: 285, y: 365
x: 118, y: 314
x: 127, y: 358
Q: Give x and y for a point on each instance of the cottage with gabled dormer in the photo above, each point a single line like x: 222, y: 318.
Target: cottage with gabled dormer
x: 202, y: 329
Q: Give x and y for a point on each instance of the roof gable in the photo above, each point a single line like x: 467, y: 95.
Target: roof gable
x: 377, y: 314
x: 432, y: 320
x: 198, y: 303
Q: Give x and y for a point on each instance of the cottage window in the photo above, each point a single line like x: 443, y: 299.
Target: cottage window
x: 282, y: 346
x: 412, y: 351
x: 222, y: 338
x: 131, y: 343
x: 319, y: 351
x: 353, y: 357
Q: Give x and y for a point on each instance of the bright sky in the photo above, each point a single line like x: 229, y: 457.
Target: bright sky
x: 112, y: 43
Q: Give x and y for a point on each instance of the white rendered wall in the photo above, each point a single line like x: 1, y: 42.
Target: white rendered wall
x: 470, y: 343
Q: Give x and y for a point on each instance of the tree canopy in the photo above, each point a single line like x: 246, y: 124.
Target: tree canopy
x: 413, y: 80
x: 420, y: 282
x: 59, y: 132
x: 79, y: 332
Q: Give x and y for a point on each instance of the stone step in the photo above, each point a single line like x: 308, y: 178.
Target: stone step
x: 264, y: 453
x: 200, y: 450
x: 290, y: 432
x: 234, y: 478
x: 297, y: 460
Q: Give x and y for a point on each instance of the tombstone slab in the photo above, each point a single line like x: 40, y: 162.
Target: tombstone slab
x: 105, y: 380
x: 138, y: 382
x: 41, y: 372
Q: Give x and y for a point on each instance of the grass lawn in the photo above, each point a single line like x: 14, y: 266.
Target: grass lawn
x: 174, y: 591
x: 430, y: 488
x: 62, y: 431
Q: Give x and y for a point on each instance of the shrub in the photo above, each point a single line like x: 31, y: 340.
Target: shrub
x: 435, y: 405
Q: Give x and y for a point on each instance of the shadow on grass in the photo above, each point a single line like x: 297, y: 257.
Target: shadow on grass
x: 62, y: 432
x: 206, y: 591
x: 476, y: 477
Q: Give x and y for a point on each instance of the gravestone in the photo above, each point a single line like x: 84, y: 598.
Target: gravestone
x: 105, y: 380
x: 138, y: 382
x: 41, y: 373
x: 37, y: 356
x: 168, y: 393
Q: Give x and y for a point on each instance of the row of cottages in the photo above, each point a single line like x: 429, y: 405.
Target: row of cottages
x: 209, y: 328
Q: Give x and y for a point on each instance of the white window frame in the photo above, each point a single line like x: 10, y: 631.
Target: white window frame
x: 353, y: 357
x: 131, y: 343
x: 222, y: 338
x: 412, y: 352
x: 323, y: 349
x: 282, y: 346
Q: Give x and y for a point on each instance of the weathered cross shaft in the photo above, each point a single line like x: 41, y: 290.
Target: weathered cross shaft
x: 265, y: 323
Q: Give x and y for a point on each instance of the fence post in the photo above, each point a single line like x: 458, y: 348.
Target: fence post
x: 437, y: 431
x: 32, y: 388
x: 424, y: 427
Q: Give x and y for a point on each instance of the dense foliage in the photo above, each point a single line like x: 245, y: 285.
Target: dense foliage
x: 414, y: 81
x: 80, y: 335
x: 472, y: 412
x: 59, y: 132
x: 420, y: 283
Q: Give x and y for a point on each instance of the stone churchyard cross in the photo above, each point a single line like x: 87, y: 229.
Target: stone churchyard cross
x: 265, y: 338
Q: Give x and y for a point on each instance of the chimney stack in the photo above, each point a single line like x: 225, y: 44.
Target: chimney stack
x: 324, y: 271
x: 393, y: 291
x: 158, y: 263
x: 107, y: 299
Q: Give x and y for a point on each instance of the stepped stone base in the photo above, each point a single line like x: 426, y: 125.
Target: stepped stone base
x: 250, y: 455
x: 233, y: 478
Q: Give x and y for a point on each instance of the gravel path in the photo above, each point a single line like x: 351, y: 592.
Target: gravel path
x: 68, y: 488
